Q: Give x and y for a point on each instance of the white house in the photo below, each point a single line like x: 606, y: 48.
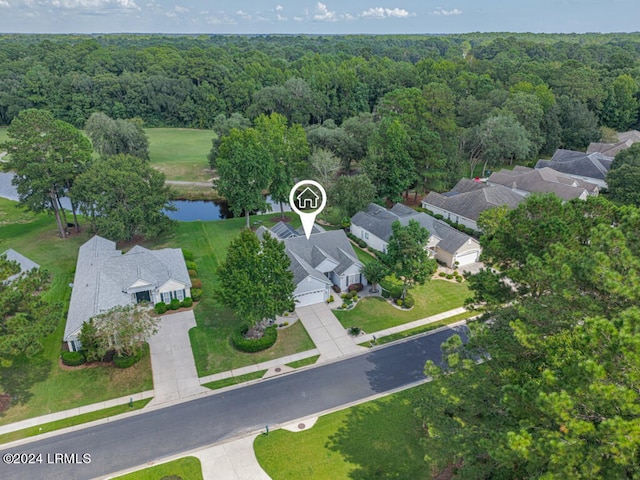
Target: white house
x: 106, y: 278
x: 445, y: 244
x: 324, y: 260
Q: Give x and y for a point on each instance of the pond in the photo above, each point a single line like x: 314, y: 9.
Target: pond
x: 187, y: 211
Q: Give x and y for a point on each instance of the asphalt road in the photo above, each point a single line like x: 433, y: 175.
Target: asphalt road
x: 151, y: 436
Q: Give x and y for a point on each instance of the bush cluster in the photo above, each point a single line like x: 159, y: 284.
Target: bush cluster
x: 160, y: 308
x: 458, y: 278
x: 252, y: 345
x: 192, y: 274
x: 175, y: 304
x: 409, y: 301
x: 360, y: 242
x: 127, y: 361
x: 196, y: 294
x: 187, y: 302
x: 399, y: 302
x: 196, y: 283
x: 191, y: 265
x: 441, y: 274
x: 355, y: 287
x: 188, y: 256
x: 73, y: 359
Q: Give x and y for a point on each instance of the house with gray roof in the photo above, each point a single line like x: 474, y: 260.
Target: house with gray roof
x: 445, y: 244
x: 25, y: 264
x: 465, y: 202
x: 625, y: 140
x: 326, y: 259
x: 106, y: 278
x: 590, y: 167
x: 525, y: 180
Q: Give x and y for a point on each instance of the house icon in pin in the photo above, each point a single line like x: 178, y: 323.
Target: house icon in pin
x: 307, y: 199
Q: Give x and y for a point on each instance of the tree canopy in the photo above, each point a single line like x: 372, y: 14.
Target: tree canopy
x: 623, y: 178
x: 114, y: 137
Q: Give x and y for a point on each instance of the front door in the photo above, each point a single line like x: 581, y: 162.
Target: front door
x: 143, y: 297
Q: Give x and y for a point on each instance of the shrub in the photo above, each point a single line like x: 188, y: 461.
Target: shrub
x: 286, y: 324
x: 252, y: 345
x: 362, y: 243
x: 441, y: 274
x: 385, y: 293
x: 196, y: 294
x: 343, y: 296
x: 396, y: 291
x: 187, y: 302
x: 437, y: 216
x: 344, y: 306
x: 449, y: 276
x: 128, y: 361
x: 175, y: 304
x: 409, y: 301
x: 459, y: 279
x: 188, y: 256
x: 455, y: 273
x: 73, y: 359
x: 355, y: 331
x: 348, y: 296
x: 193, y: 274
x: 399, y: 302
x: 355, y: 295
x: 160, y: 308
x: 196, y: 283
x: 330, y: 299
x: 355, y: 286
x: 191, y: 265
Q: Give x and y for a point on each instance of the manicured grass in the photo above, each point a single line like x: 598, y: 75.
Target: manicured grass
x: 227, y: 382
x: 3, y: 134
x: 212, y: 349
x: 194, y: 192
x: 424, y: 328
x: 364, y: 257
x: 304, y: 362
x: 38, y: 384
x: 374, y: 313
x: 181, y: 153
x: 379, y: 439
x: 72, y: 421
x: 187, y: 468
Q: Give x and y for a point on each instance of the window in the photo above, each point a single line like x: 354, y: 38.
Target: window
x: 166, y: 297
x: 366, y: 235
x: 180, y: 295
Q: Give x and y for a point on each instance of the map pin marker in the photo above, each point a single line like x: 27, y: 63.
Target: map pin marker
x: 307, y: 198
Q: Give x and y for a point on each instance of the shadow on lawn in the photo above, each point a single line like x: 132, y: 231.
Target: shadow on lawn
x: 18, y: 379
x: 383, y: 440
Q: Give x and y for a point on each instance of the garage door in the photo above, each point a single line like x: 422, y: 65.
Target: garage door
x: 310, y: 298
x: 467, y: 258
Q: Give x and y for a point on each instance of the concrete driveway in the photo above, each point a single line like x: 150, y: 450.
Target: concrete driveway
x: 326, y: 331
x: 174, y: 370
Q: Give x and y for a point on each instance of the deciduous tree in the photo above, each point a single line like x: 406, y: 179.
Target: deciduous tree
x: 352, y: 193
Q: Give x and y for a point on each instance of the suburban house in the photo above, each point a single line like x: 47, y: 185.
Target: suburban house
x: 445, y: 244
x: 106, y: 278
x: 525, y: 180
x: 25, y: 264
x: 590, y: 167
x: 465, y: 202
x: 625, y: 140
x: 324, y: 260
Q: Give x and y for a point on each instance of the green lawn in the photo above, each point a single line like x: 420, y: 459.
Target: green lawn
x: 304, y: 362
x: 227, y: 382
x: 364, y: 257
x: 181, y: 153
x: 374, y: 313
x: 3, y: 134
x: 38, y: 384
x: 212, y: 349
x: 186, y: 468
x: 379, y: 439
x: 71, y: 421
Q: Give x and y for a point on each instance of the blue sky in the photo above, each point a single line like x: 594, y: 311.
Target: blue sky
x: 328, y: 16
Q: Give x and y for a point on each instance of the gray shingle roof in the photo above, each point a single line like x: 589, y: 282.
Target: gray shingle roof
x: 379, y: 219
x: 471, y: 203
x: 591, y: 165
x: 309, y: 254
x: 104, y: 273
x: 25, y: 264
x: 544, y: 180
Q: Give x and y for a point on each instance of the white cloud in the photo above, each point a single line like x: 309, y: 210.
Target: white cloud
x: 321, y: 12
x: 3, y: 3
x: 97, y: 4
x: 298, y: 19
x: 180, y: 9
x: 279, y: 8
x: 281, y: 18
x: 380, y: 12
x: 442, y: 11
x: 243, y: 14
x: 222, y: 19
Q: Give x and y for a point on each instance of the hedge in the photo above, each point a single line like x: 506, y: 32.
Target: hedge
x: 73, y: 359
x: 196, y: 294
x: 175, y: 304
x: 188, y: 256
x: 126, y: 362
x: 196, y: 283
x: 409, y: 301
x: 187, y: 302
x: 160, y: 308
x: 252, y: 345
x: 191, y: 265
x: 192, y: 273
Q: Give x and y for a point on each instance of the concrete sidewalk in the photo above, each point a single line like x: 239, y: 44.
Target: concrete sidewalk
x: 326, y: 331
